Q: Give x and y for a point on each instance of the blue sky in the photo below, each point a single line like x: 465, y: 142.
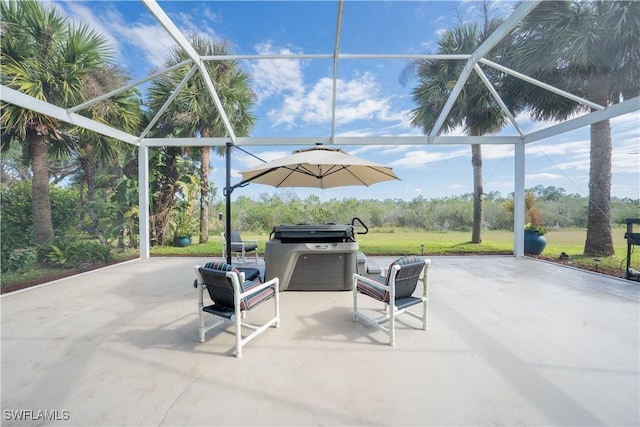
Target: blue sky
x: 293, y: 96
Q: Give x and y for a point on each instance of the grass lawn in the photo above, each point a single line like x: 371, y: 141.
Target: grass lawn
x: 396, y: 241
x: 387, y: 241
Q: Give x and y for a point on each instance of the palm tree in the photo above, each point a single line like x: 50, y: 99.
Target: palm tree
x: 193, y: 113
x: 475, y: 108
x: 121, y: 111
x: 592, y: 49
x: 47, y: 58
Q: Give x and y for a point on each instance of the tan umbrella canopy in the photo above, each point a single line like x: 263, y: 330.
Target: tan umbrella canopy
x: 318, y: 167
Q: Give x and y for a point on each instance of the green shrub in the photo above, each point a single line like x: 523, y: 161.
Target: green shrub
x: 74, y: 252
x: 16, y: 225
x: 18, y: 259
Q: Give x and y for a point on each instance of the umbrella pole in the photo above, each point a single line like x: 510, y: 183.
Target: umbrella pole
x: 227, y: 193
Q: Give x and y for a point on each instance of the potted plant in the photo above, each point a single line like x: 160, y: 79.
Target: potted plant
x: 534, y: 230
x: 183, y: 225
x: 534, y: 240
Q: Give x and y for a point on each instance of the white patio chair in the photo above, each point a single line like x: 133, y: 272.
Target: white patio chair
x: 395, y: 290
x: 239, y: 246
x: 232, y: 298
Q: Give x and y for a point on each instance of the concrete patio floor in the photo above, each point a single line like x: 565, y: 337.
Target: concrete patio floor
x: 511, y: 341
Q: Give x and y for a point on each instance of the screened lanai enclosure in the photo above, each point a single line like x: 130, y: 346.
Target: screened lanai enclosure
x: 334, y: 50
x: 511, y: 340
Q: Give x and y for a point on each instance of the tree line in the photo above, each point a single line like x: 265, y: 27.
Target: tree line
x: 557, y: 210
x: 82, y: 239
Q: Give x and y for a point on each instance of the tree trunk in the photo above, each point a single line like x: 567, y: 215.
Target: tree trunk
x: 41, y: 201
x: 599, y: 241
x: 88, y: 167
x: 476, y: 161
x: 165, y: 200
x: 205, y: 156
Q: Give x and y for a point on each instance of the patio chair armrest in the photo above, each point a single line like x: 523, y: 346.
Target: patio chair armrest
x: 371, y: 282
x: 199, y: 278
x: 273, y: 283
x: 255, y: 242
x: 199, y: 284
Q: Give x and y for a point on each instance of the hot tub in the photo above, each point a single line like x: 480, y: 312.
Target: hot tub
x: 312, y: 257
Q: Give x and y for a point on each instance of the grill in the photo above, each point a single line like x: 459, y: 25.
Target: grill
x: 314, y: 233
x: 312, y: 257
x: 633, y: 239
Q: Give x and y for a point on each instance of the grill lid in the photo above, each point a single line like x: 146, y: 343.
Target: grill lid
x: 313, y: 233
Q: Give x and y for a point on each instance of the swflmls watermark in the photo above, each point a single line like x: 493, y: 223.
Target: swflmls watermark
x: 36, y: 415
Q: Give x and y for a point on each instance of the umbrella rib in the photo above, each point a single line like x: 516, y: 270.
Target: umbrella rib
x: 306, y: 171
x: 356, y: 176
x: 298, y: 169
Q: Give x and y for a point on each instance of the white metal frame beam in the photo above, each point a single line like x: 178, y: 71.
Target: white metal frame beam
x: 498, y: 99
x: 625, y: 107
x: 177, y: 35
x: 168, y: 102
x: 495, y: 38
x: 542, y: 84
x: 336, y: 52
x: 30, y: 103
x: 124, y: 88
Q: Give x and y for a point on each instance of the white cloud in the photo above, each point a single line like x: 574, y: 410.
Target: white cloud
x: 250, y: 161
x: 626, y: 159
x: 196, y: 22
x: 357, y: 99
x: 379, y: 149
x: 419, y: 158
x: 275, y: 77
x: 543, y: 176
x: 456, y: 186
x: 497, y: 151
x: 151, y: 39
x: 558, y: 149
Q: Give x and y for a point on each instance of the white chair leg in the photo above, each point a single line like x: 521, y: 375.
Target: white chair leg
x: 277, y: 302
x: 392, y: 325
x: 355, y: 300
x: 238, y: 334
x: 425, y: 315
x: 200, y: 314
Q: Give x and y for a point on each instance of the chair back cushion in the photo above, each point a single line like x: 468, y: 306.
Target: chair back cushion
x: 220, y: 287
x: 236, y: 241
x: 408, y: 276
x: 218, y: 284
x: 235, y: 236
x: 237, y: 244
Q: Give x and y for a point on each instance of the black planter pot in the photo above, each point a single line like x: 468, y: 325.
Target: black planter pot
x: 534, y: 243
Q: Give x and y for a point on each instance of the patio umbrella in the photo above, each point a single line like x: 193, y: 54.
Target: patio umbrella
x: 318, y: 167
